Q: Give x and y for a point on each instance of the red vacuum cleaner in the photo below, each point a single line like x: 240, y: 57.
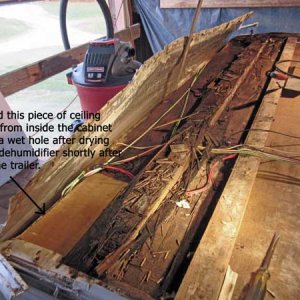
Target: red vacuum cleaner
x: 107, y: 68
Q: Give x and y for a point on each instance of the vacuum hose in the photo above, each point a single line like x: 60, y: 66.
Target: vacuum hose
x: 63, y: 23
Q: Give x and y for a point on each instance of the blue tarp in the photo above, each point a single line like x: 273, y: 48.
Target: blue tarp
x: 162, y: 26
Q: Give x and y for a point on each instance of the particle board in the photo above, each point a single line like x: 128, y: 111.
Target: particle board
x: 206, y: 272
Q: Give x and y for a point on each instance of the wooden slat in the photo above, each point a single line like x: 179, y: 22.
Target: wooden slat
x: 206, y: 272
x: 29, y: 75
x: 228, y: 3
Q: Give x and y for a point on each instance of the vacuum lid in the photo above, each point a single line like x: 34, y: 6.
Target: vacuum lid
x: 107, y: 62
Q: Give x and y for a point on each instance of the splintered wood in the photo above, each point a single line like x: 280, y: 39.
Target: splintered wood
x: 124, y: 111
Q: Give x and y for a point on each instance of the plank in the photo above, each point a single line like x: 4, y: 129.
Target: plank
x: 242, y: 96
x: 29, y: 75
x: 228, y: 3
x: 67, y: 221
x: 206, y: 272
x: 110, y: 261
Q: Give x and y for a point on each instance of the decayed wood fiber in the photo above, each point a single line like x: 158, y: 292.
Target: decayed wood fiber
x: 156, y: 79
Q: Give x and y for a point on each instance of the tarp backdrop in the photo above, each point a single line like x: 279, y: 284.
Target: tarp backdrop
x: 163, y: 25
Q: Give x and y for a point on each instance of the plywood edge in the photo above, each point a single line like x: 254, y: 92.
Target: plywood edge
x: 205, y: 275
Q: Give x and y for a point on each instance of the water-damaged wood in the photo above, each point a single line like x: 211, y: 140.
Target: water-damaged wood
x: 124, y: 111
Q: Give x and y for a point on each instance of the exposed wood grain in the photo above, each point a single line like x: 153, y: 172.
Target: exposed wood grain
x: 29, y: 75
x: 240, y: 81
x: 206, y: 272
x: 228, y: 3
x: 123, y: 112
x: 236, y: 121
x: 67, y: 221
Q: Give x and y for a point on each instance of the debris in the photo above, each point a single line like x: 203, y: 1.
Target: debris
x: 179, y: 148
x: 183, y: 204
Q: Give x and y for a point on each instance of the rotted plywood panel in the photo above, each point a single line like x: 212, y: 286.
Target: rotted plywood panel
x: 67, y: 221
x: 156, y: 79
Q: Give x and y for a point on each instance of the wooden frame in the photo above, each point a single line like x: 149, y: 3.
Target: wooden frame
x: 228, y: 3
x: 29, y: 75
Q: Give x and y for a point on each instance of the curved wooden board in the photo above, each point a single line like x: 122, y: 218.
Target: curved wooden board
x: 156, y: 79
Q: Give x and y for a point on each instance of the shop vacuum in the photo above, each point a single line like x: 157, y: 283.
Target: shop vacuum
x: 107, y: 68
x: 108, y: 65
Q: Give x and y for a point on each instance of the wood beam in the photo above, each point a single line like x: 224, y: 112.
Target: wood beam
x: 228, y: 3
x: 29, y: 75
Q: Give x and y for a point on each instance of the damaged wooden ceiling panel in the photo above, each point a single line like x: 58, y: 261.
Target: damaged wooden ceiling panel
x: 126, y: 110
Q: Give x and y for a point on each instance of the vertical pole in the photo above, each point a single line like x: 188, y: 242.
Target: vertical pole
x: 187, y: 46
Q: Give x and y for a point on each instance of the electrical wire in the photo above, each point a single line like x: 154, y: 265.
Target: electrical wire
x: 138, y: 147
x: 209, y: 177
x: 252, y: 151
x: 159, y: 119
x: 265, y: 130
x: 176, y: 120
x: 84, y: 175
x: 285, y: 72
x: 186, y: 101
x: 136, y: 156
x: 110, y: 161
x: 120, y: 170
x: 247, y: 150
